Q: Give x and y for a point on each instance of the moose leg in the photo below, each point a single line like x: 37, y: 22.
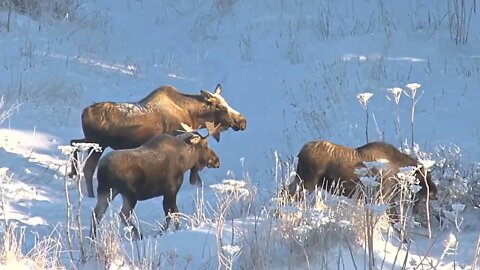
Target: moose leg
x: 89, y: 170
x: 420, y: 211
x: 416, y: 206
x: 395, y: 222
x: 98, y: 212
x: 73, y: 168
x: 129, y: 203
x: 170, y: 207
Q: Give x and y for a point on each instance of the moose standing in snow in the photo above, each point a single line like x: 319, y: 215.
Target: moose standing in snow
x: 154, y: 169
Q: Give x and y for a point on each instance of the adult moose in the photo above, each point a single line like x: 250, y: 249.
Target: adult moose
x: 154, y: 169
x: 129, y: 125
x: 321, y: 163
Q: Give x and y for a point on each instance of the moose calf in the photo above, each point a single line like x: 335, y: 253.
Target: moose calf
x: 151, y: 170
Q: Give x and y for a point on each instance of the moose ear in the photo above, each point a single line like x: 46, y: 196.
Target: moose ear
x: 195, y: 138
x: 218, y: 89
x: 207, y: 96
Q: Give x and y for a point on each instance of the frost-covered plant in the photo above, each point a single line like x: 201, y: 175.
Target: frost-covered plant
x: 228, y: 192
x: 45, y: 253
x: 450, y: 245
x: 200, y: 215
x: 413, y: 87
x: 4, y: 179
x: 107, y: 245
x: 409, y: 186
x: 6, y: 113
x: 314, y: 229
x: 395, y: 94
x: 376, y: 204
x: 84, y: 152
x: 231, y: 254
x: 76, y: 156
x: 451, y: 242
x: 363, y: 98
x: 10, y: 251
x: 115, y: 248
x: 458, y: 182
x: 237, y: 191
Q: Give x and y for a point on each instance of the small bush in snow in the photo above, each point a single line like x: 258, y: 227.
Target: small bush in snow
x: 458, y: 182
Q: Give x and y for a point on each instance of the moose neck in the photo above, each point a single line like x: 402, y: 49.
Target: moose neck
x: 200, y: 111
x: 191, y: 157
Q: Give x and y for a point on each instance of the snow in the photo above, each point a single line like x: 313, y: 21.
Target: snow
x: 294, y: 69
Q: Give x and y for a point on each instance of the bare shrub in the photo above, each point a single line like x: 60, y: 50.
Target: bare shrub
x: 458, y: 182
x: 45, y: 253
x: 57, y: 9
x: 459, y: 16
x: 55, y: 97
x: 245, y: 45
x: 315, y: 231
x: 7, y: 113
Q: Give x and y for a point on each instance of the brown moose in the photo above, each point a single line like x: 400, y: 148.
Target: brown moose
x: 321, y: 163
x: 151, y: 170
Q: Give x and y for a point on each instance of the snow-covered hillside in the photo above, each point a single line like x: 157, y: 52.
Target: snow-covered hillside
x: 293, y: 68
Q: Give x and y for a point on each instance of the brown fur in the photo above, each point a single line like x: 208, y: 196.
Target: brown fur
x: 151, y: 170
x: 129, y: 125
x: 320, y: 163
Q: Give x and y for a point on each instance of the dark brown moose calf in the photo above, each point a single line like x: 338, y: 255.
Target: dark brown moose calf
x: 129, y: 125
x: 151, y: 170
x: 321, y: 163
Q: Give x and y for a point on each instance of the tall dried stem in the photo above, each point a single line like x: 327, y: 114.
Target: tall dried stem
x: 363, y: 98
x: 395, y: 94
x: 413, y: 96
x: 85, y: 150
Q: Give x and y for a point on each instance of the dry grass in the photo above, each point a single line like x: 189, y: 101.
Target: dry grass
x: 45, y: 254
x: 107, y: 247
x: 57, y: 9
